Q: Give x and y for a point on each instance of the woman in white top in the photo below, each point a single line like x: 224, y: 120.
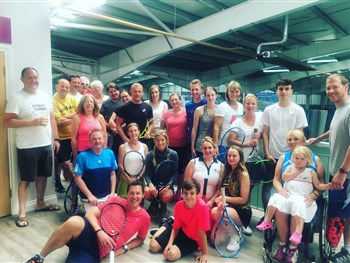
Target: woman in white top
x: 251, y: 126
x: 134, y: 144
x: 157, y: 104
x: 206, y: 167
x: 227, y: 112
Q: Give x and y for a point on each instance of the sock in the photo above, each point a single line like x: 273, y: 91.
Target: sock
x: 292, y: 247
x: 282, y: 243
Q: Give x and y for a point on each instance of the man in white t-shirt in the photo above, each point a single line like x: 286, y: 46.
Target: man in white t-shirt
x: 278, y: 119
x: 30, y: 113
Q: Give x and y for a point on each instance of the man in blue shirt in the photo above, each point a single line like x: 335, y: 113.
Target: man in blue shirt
x: 94, y: 171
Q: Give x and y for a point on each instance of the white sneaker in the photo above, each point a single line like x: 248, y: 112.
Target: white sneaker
x: 233, y: 245
x: 247, y: 231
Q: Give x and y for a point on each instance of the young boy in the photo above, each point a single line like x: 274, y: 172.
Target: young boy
x: 188, y: 233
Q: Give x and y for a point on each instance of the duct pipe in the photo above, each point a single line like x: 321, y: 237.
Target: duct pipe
x: 240, y: 51
x: 284, y: 39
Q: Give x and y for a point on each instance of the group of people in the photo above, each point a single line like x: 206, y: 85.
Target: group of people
x: 81, y: 129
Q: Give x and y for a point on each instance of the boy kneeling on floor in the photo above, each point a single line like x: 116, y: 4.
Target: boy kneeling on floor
x: 188, y: 233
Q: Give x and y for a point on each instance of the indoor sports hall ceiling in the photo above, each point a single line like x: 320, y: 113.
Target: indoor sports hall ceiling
x: 174, y: 41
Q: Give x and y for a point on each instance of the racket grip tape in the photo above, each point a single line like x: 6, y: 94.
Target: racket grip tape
x: 223, y: 196
x: 111, y: 256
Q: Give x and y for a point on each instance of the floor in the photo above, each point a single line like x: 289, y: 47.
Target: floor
x: 19, y: 244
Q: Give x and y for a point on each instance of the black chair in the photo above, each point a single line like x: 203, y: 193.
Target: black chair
x: 310, y: 228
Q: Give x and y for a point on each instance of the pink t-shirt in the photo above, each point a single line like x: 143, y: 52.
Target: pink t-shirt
x: 192, y: 220
x: 84, y: 129
x: 177, y: 128
x: 137, y: 222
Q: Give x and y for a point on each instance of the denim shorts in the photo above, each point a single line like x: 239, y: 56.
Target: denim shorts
x: 33, y: 162
x: 339, y: 204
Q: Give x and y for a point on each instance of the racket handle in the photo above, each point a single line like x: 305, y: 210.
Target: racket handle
x: 111, y: 256
x: 223, y: 196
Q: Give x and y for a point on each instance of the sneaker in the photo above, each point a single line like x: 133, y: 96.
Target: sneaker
x: 342, y: 256
x: 59, y: 188
x: 153, y: 208
x: 247, y: 231
x: 280, y: 252
x: 264, y: 225
x: 291, y: 255
x: 163, y: 211
x: 35, y: 259
x: 295, y: 238
x: 153, y: 231
x: 233, y: 245
x: 169, y: 220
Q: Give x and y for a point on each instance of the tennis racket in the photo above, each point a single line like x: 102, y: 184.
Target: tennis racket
x: 228, y: 239
x: 256, y: 167
x: 226, y: 142
x: 143, y: 133
x: 134, y: 163
x: 112, y: 221
x: 71, y: 198
x: 165, y: 173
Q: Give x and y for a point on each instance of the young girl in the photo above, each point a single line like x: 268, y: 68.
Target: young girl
x: 299, y: 182
x: 236, y: 182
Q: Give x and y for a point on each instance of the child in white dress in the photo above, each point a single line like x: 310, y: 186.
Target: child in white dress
x: 300, y: 181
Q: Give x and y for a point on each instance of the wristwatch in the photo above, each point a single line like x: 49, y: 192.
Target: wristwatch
x: 342, y: 171
x: 126, y: 248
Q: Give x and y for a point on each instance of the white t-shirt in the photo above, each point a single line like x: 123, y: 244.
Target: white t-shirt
x: 28, y: 107
x: 157, y: 113
x: 281, y: 120
x: 229, y: 116
x: 248, y: 132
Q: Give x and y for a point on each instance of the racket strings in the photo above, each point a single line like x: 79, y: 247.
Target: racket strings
x: 227, y: 238
x: 133, y: 163
x: 113, y: 219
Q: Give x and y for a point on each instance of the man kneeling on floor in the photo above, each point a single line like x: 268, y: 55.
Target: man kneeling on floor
x: 188, y: 233
x: 86, y: 240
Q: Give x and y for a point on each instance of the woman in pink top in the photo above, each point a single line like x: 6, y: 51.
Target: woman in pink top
x: 87, y: 119
x: 177, y: 133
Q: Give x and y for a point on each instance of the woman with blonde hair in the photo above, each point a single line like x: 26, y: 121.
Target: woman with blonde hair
x: 207, y: 170
x: 87, y: 119
x: 227, y: 112
x: 159, y: 198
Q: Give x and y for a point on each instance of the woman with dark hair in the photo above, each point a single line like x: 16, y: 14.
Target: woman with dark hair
x: 236, y: 183
x: 87, y: 119
x: 133, y: 132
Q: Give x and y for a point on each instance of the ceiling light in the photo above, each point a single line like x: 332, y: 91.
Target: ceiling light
x: 331, y: 60
x: 275, y: 70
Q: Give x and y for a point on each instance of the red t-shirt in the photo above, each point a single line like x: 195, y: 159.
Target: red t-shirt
x: 177, y: 128
x: 137, y: 222
x: 192, y: 220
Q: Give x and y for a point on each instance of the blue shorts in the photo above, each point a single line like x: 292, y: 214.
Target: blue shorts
x: 34, y: 162
x: 339, y: 201
x: 84, y: 248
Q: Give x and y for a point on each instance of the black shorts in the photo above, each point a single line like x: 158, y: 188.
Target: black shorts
x: 34, y: 162
x: 84, y: 248
x: 65, y: 153
x: 185, y: 244
x: 244, y: 214
x: 338, y: 201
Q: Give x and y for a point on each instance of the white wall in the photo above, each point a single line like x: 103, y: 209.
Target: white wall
x: 30, y: 46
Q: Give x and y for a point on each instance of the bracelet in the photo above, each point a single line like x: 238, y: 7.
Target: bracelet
x: 98, y: 230
x: 57, y: 139
x: 315, y: 194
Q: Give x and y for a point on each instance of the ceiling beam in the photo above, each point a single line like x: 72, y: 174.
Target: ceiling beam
x: 119, y: 63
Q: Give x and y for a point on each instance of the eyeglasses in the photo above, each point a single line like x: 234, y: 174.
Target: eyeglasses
x: 283, y: 88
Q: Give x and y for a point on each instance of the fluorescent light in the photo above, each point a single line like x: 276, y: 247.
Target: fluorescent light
x: 275, y: 70
x: 322, y: 60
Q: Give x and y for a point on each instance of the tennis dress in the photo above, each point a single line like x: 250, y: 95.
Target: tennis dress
x: 295, y: 204
x: 123, y: 184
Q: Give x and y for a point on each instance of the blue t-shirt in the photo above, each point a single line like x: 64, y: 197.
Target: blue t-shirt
x: 96, y: 171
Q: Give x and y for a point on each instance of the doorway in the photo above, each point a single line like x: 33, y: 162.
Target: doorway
x: 5, y: 197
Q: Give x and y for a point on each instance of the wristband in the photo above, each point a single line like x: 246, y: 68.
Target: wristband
x: 315, y: 194
x: 98, y: 230
x: 57, y: 139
